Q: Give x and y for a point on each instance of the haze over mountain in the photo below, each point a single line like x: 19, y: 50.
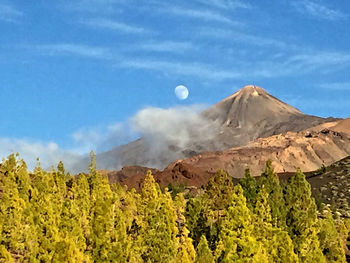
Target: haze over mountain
x: 248, y: 114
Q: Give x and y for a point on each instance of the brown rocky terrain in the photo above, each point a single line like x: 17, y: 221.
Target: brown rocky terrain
x: 248, y: 114
x: 342, y: 126
x: 308, y: 150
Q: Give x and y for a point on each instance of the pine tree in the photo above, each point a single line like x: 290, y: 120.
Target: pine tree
x: 272, y: 185
x: 238, y: 243
x: 157, y: 238
x: 67, y: 251
x: 185, y: 249
x: 204, y: 254
x: 81, y: 193
x: 330, y: 240
x: 219, y: 190
x: 101, y: 218
x: 120, y: 241
x: 216, y: 200
x: 195, y: 220
x: 302, y: 219
x: 72, y: 237
x: 46, y: 206
x: 14, y: 191
x: 276, y: 242
x: 250, y: 188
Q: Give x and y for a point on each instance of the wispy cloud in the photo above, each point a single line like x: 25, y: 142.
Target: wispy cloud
x: 226, y: 4
x: 199, y: 70
x: 335, y: 86
x: 206, y: 15
x: 9, y: 13
x: 236, y: 36
x: 302, y: 63
x: 165, y: 46
x: 75, y: 49
x: 318, y: 10
x: 319, y: 59
x: 109, y: 24
x: 94, y: 6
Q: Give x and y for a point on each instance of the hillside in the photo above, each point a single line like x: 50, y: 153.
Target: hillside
x: 307, y: 150
x: 332, y: 185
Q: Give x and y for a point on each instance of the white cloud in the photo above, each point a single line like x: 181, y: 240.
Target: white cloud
x: 317, y: 60
x: 48, y: 152
x: 165, y: 46
x: 9, y: 13
x: 199, y: 70
x: 94, y: 6
x: 236, y: 36
x: 275, y: 66
x: 318, y: 10
x: 180, y: 125
x: 168, y: 133
x: 206, y: 15
x: 298, y: 64
x: 109, y: 24
x: 75, y: 49
x: 226, y: 4
x: 102, y: 138
x: 335, y: 86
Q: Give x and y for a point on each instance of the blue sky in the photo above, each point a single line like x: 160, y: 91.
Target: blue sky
x: 74, y: 72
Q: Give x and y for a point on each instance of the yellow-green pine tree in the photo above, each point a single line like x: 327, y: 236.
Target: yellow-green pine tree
x: 185, y: 249
x: 276, y: 242
x: 237, y: 233
x: 204, y: 254
x: 157, y: 234
x: 330, y: 240
x: 302, y: 219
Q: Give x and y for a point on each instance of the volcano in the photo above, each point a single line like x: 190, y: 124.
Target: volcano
x: 246, y: 115
x: 252, y: 113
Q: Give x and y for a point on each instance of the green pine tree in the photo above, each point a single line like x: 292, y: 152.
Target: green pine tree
x: 204, y: 254
x: 238, y: 243
x: 330, y: 240
x: 250, y: 188
x: 272, y: 185
x: 276, y: 242
x: 302, y: 219
x: 157, y: 238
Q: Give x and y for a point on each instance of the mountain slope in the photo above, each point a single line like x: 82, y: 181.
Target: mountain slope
x: 289, y: 151
x: 331, y: 184
x: 248, y: 114
x: 252, y: 113
x: 342, y: 126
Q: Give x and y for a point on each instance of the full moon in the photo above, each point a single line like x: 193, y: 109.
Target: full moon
x: 181, y: 92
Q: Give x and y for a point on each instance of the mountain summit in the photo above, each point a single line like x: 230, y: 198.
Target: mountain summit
x: 251, y: 113
x: 247, y: 114
x: 249, y: 106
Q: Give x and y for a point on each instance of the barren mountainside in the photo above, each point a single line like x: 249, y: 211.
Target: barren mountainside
x: 289, y: 151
